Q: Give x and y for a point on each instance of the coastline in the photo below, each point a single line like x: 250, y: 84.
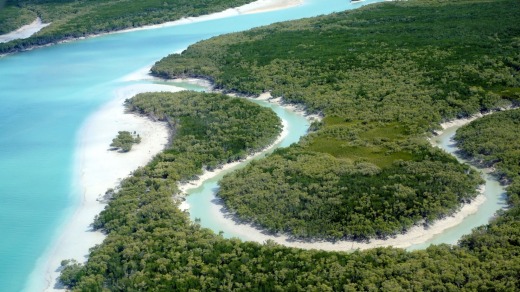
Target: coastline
x: 258, y: 6
x: 24, y: 31
x: 97, y: 169
x: 76, y: 237
x: 193, y: 184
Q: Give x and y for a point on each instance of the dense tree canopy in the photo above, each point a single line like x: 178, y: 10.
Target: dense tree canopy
x: 12, y: 18
x: 125, y: 140
x: 439, y: 59
x: 78, y: 18
x: 382, y: 76
x: 493, y: 140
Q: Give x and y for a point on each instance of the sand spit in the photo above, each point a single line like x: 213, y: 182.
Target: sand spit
x: 254, y: 7
x: 98, y: 169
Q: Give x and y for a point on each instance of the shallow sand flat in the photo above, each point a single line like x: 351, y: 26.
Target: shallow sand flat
x: 99, y: 169
x: 24, y: 31
x: 268, y: 5
x: 254, y: 7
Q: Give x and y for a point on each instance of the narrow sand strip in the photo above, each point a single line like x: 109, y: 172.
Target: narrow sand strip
x: 254, y: 7
x: 415, y: 235
x: 99, y: 169
x: 267, y: 5
x: 24, y: 31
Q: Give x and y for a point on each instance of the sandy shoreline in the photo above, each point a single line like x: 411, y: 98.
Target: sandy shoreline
x: 254, y: 7
x: 93, y: 158
x: 24, y: 31
x: 185, y: 187
x: 98, y: 169
x: 415, y: 235
x: 94, y: 180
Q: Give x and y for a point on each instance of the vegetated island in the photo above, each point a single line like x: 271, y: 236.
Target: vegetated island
x: 383, y: 76
x: 75, y: 19
x: 124, y: 141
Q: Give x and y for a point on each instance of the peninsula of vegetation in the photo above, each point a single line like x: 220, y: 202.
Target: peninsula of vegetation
x: 383, y: 81
x: 74, y: 19
x: 383, y: 77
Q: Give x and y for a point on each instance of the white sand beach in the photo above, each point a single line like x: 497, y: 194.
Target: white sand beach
x: 268, y: 5
x: 415, y: 235
x: 98, y: 169
x: 254, y: 7
x: 24, y: 31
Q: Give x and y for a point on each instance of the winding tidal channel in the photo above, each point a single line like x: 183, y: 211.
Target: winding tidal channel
x: 48, y: 93
x: 208, y: 210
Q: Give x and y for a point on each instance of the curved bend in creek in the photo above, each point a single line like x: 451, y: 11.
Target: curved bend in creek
x: 209, y: 211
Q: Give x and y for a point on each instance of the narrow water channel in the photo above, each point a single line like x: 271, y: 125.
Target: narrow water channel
x: 206, y: 209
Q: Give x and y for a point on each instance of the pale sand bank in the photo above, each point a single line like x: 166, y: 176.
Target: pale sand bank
x: 99, y: 169
x: 193, y: 184
x: 267, y: 5
x: 254, y: 7
x: 415, y: 235
x: 465, y: 121
x: 24, y: 31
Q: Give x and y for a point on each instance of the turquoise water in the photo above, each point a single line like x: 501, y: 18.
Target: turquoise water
x: 46, y: 94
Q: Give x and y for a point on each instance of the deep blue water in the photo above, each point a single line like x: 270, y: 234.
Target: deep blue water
x: 45, y: 96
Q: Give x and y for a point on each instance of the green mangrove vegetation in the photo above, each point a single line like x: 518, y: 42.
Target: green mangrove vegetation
x: 73, y: 19
x: 125, y: 140
x: 12, y: 18
x: 382, y: 77
x: 494, y: 141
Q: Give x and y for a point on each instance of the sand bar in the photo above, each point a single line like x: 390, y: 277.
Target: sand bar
x: 98, y: 169
x: 24, y: 31
x: 254, y: 7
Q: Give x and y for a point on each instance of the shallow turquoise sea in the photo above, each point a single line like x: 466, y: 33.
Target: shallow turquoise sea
x: 45, y: 96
